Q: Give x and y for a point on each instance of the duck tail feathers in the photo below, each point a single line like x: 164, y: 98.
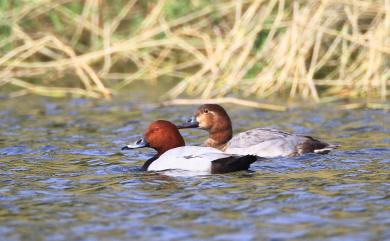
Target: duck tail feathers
x: 232, y: 164
x: 326, y: 149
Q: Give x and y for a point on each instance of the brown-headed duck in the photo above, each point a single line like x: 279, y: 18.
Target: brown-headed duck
x: 262, y: 142
x: 165, y: 138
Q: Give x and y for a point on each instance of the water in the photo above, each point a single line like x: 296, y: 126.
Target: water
x: 63, y: 177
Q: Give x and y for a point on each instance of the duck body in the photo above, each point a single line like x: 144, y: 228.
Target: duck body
x: 172, y: 154
x: 271, y: 143
x: 200, y: 159
x: 262, y: 142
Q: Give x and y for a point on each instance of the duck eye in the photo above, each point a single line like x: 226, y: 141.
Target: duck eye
x: 153, y: 130
x: 206, y: 111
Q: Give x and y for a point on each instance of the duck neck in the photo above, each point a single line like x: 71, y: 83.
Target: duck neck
x: 161, y: 150
x: 218, y: 139
x: 148, y: 162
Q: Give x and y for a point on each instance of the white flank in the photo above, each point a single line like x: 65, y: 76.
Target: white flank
x: 189, y: 158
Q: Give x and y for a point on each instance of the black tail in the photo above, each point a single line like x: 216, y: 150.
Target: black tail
x: 326, y: 149
x: 232, y: 164
x: 316, y: 146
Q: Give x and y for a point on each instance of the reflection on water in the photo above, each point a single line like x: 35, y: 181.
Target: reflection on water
x: 63, y: 177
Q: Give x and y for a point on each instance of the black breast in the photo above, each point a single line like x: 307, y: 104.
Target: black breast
x: 148, y: 162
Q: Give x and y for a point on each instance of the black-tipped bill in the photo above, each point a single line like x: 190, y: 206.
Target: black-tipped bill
x: 190, y: 123
x: 141, y: 142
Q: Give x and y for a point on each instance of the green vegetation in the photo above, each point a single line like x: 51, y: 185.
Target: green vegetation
x: 320, y: 50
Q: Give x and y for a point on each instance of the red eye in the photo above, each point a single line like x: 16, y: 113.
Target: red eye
x: 153, y: 130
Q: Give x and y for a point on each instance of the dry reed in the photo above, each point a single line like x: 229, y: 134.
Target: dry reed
x: 320, y: 50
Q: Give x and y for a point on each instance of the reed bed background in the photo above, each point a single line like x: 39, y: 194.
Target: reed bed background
x: 319, y: 50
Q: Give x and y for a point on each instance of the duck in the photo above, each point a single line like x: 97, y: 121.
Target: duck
x: 263, y: 142
x: 172, y: 154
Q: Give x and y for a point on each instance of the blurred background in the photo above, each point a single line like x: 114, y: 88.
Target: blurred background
x: 324, y: 51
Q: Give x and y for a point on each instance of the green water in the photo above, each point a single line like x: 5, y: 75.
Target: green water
x: 63, y: 177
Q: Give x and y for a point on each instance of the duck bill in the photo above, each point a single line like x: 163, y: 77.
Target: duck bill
x: 140, y: 143
x: 190, y: 123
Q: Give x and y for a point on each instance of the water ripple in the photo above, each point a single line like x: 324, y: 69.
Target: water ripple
x: 63, y: 177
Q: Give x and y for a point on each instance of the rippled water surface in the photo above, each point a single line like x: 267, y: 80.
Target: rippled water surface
x: 63, y: 177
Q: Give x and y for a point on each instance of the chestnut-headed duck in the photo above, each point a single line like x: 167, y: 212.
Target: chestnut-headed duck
x: 165, y: 138
x: 262, y: 142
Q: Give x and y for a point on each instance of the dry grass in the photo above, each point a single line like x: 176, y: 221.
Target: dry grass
x: 320, y: 50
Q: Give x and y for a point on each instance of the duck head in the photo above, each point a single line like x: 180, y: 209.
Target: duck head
x: 161, y: 135
x: 214, y: 119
